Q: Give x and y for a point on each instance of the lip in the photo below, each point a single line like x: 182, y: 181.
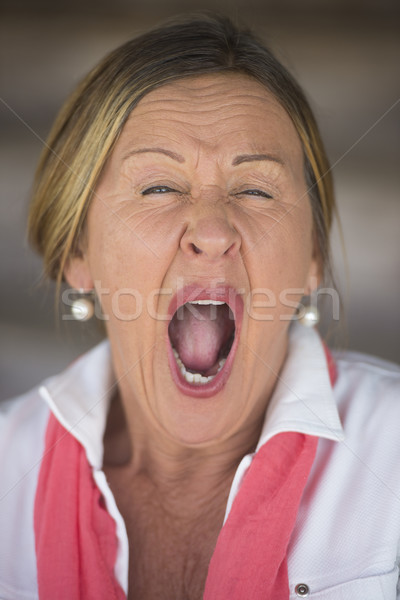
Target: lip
x: 232, y: 298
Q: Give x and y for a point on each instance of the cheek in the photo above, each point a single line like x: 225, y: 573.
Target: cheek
x: 128, y: 263
x: 278, y: 266
x: 110, y: 262
x: 283, y: 251
x: 135, y: 235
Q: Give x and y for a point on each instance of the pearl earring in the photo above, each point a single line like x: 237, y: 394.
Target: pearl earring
x: 310, y: 316
x: 82, y: 309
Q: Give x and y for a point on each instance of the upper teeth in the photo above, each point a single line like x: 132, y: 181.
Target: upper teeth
x: 215, y: 302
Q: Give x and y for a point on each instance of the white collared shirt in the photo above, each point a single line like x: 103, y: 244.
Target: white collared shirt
x: 345, y: 545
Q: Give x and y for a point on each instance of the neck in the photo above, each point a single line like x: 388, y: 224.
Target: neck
x: 140, y: 450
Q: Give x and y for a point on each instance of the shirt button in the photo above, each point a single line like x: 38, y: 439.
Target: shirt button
x: 302, y: 590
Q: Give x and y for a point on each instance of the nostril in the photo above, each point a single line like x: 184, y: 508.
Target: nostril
x: 196, y: 250
x: 210, y: 237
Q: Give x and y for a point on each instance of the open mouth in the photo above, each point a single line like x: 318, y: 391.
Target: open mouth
x: 202, y: 338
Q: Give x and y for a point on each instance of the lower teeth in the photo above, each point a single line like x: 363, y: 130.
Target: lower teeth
x: 195, y: 377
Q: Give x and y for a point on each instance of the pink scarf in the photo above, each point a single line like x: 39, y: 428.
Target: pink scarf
x: 76, y: 543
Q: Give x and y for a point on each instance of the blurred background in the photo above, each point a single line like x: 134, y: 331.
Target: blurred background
x: 345, y: 53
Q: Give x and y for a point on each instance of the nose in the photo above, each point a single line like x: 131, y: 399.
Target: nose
x: 212, y: 236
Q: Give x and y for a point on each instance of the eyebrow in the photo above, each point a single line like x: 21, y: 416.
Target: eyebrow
x: 238, y: 160
x: 169, y: 153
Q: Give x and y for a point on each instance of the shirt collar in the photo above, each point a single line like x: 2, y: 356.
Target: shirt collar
x: 80, y: 396
x: 302, y: 400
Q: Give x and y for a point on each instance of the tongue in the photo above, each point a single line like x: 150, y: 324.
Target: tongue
x: 199, y: 333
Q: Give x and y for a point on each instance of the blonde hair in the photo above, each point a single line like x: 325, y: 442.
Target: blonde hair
x: 89, y: 123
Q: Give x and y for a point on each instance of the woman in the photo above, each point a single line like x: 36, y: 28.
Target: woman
x: 212, y: 447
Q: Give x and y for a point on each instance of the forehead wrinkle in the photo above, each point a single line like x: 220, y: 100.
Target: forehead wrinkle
x: 198, y: 92
x: 211, y: 130
x: 189, y: 107
x: 214, y: 85
x: 212, y: 115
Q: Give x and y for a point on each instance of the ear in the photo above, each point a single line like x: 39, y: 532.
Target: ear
x: 77, y: 273
x: 316, y: 269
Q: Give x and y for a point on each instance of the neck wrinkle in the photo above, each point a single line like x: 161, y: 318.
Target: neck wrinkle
x: 169, y: 465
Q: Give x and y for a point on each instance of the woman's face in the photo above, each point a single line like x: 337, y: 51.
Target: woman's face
x: 202, y: 200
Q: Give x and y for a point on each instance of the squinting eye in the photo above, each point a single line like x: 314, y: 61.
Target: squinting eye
x: 158, y: 189
x: 255, y: 193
